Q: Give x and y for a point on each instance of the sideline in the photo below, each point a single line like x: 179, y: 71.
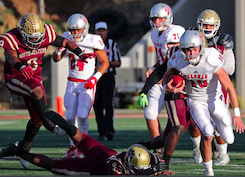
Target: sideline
x: 119, y: 113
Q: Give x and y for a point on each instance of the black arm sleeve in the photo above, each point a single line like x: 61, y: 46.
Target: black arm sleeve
x: 154, y: 78
x: 58, y: 42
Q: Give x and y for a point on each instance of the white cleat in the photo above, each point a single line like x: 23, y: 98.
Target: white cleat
x: 24, y: 163
x: 197, y: 156
x: 222, y: 160
x: 209, y: 172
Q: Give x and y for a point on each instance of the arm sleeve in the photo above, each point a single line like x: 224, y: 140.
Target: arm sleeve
x: 229, y: 62
x: 58, y: 41
x: 154, y: 78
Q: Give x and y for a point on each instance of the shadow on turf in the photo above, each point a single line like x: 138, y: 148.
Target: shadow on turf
x: 122, y: 140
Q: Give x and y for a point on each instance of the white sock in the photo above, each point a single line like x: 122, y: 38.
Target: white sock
x: 222, y: 148
x: 83, y: 125
x: 196, y: 141
x: 208, y: 164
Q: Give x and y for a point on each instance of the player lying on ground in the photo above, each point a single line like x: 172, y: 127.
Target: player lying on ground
x: 98, y: 160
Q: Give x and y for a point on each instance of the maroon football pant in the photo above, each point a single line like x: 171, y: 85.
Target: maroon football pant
x: 178, y: 114
x: 95, y: 158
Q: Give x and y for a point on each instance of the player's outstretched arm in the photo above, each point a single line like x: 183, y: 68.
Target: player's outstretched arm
x: 227, y: 84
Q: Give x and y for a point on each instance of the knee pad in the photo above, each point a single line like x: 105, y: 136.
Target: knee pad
x: 70, y: 114
x: 150, y: 114
x: 230, y: 139
x: 83, y: 112
x: 208, y: 130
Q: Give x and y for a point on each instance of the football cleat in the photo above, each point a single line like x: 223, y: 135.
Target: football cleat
x: 71, y: 152
x: 79, y: 154
x: 222, y: 160
x: 197, y: 156
x: 159, y: 153
x: 11, y: 150
x: 24, y: 163
x: 208, y: 172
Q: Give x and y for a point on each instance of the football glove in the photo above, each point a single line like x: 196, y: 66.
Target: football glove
x: 142, y: 100
x: 26, y: 71
x: 90, y: 83
x: 84, y: 56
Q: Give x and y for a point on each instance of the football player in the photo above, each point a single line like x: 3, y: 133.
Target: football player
x: 82, y: 78
x: 208, y: 22
x: 204, y: 74
x: 164, y: 35
x: 98, y: 159
x: 24, y: 47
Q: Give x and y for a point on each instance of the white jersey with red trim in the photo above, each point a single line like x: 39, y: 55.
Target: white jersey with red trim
x: 201, y: 82
x: 77, y: 68
x: 170, y: 35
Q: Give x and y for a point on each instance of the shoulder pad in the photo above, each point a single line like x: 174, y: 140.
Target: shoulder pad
x: 65, y: 35
x: 226, y: 40
x: 51, y: 32
x: 213, y: 57
x: 98, y: 42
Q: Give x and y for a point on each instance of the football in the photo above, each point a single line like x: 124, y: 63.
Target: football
x: 177, y: 79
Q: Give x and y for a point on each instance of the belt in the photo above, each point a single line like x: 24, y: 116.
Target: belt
x: 75, y: 80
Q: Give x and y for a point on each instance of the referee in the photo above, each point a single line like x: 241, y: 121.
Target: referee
x: 105, y: 92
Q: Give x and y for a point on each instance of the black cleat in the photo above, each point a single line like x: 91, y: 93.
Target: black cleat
x: 109, y: 136
x: 11, y: 150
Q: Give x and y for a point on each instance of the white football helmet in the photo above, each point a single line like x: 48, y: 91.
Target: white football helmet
x: 32, y: 30
x: 137, y: 157
x: 77, y: 21
x: 209, y: 17
x: 161, y: 10
x: 192, y: 38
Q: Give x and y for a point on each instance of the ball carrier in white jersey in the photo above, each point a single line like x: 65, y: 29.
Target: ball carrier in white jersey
x: 82, y: 79
x: 203, y: 70
x: 208, y: 22
x: 164, y: 35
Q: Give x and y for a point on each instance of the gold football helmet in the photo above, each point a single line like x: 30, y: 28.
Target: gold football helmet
x: 209, y: 17
x: 32, y: 30
x: 137, y: 157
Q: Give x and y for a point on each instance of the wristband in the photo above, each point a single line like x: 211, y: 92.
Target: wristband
x: 18, y: 66
x: 78, y: 51
x: 236, y: 112
x: 97, y: 75
x: 59, y: 50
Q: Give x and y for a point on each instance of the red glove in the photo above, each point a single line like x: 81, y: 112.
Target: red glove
x: 26, y: 71
x: 90, y: 83
x: 84, y: 56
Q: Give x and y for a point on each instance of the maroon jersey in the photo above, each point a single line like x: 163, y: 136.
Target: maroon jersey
x: 12, y: 40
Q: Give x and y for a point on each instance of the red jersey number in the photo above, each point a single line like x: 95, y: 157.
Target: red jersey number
x: 75, y: 63
x: 201, y: 83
